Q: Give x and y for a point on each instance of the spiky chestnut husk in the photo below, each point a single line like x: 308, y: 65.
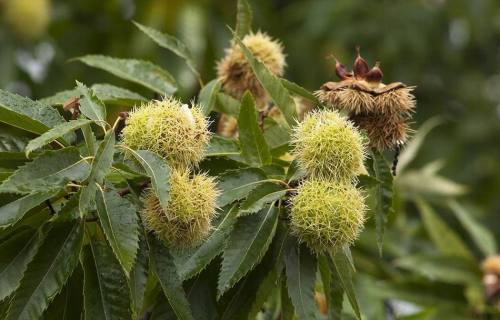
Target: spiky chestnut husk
x: 327, y: 215
x: 384, y: 131
x: 237, y: 75
x: 28, y: 19
x: 328, y: 146
x: 177, y: 133
x: 192, y: 206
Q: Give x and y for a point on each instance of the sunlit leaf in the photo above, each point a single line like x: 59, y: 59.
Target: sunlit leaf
x: 50, y: 170
x: 243, y: 18
x: 236, y: 184
x: 272, y: 84
x: 208, y: 96
x: 344, y: 272
x: 171, y: 43
x: 55, y: 133
x: 27, y: 114
x: 101, y: 164
x: 144, y: 73
x: 261, y: 196
x: 118, y: 219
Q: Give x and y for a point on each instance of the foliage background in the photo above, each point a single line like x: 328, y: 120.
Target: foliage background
x: 449, y: 49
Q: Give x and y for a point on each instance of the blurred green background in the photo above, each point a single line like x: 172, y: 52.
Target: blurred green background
x: 450, y: 50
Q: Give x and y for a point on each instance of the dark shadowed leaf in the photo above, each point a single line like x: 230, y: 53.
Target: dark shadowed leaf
x: 139, y: 275
x: 48, y: 272
x: 118, y: 219
x: 68, y: 305
x: 106, y: 293
x: 15, y: 254
x: 166, y: 272
x: 144, y: 73
x: 246, y: 246
x: 51, y: 169
x: 253, y: 145
x: 210, y: 248
x: 344, y: 273
x: 384, y: 194
x: 15, y: 210
x: 300, y: 267
x: 334, y: 292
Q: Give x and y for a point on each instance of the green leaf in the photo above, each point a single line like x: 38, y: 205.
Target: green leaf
x: 48, y: 272
x: 106, y: 293
x: 295, y: 172
x: 334, y: 292
x: 111, y: 94
x: 272, y: 84
x: 483, y: 238
x: 90, y: 105
x: 27, y: 114
x: 227, y: 104
x: 300, y: 279
x: 411, y: 149
x: 55, y: 133
x: 436, y: 267
x: 144, y: 73
x: 15, y: 254
x: 139, y: 276
x: 246, y: 246
x: 261, y: 196
x: 50, y: 170
x: 211, y: 247
x: 107, y: 93
x: 220, y: 146
x: 236, y: 184
x: 166, y: 272
x: 208, y: 96
x: 299, y: 91
x: 12, y: 159
x: 15, y: 210
x: 287, y: 310
x: 243, y: 18
x: 277, y: 136
x: 443, y: 237
x: 118, y: 219
x: 253, y: 145
x: 68, y: 305
x: 344, y: 272
x: 383, y: 194
x: 100, y: 167
x: 158, y: 170
x: 170, y: 43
